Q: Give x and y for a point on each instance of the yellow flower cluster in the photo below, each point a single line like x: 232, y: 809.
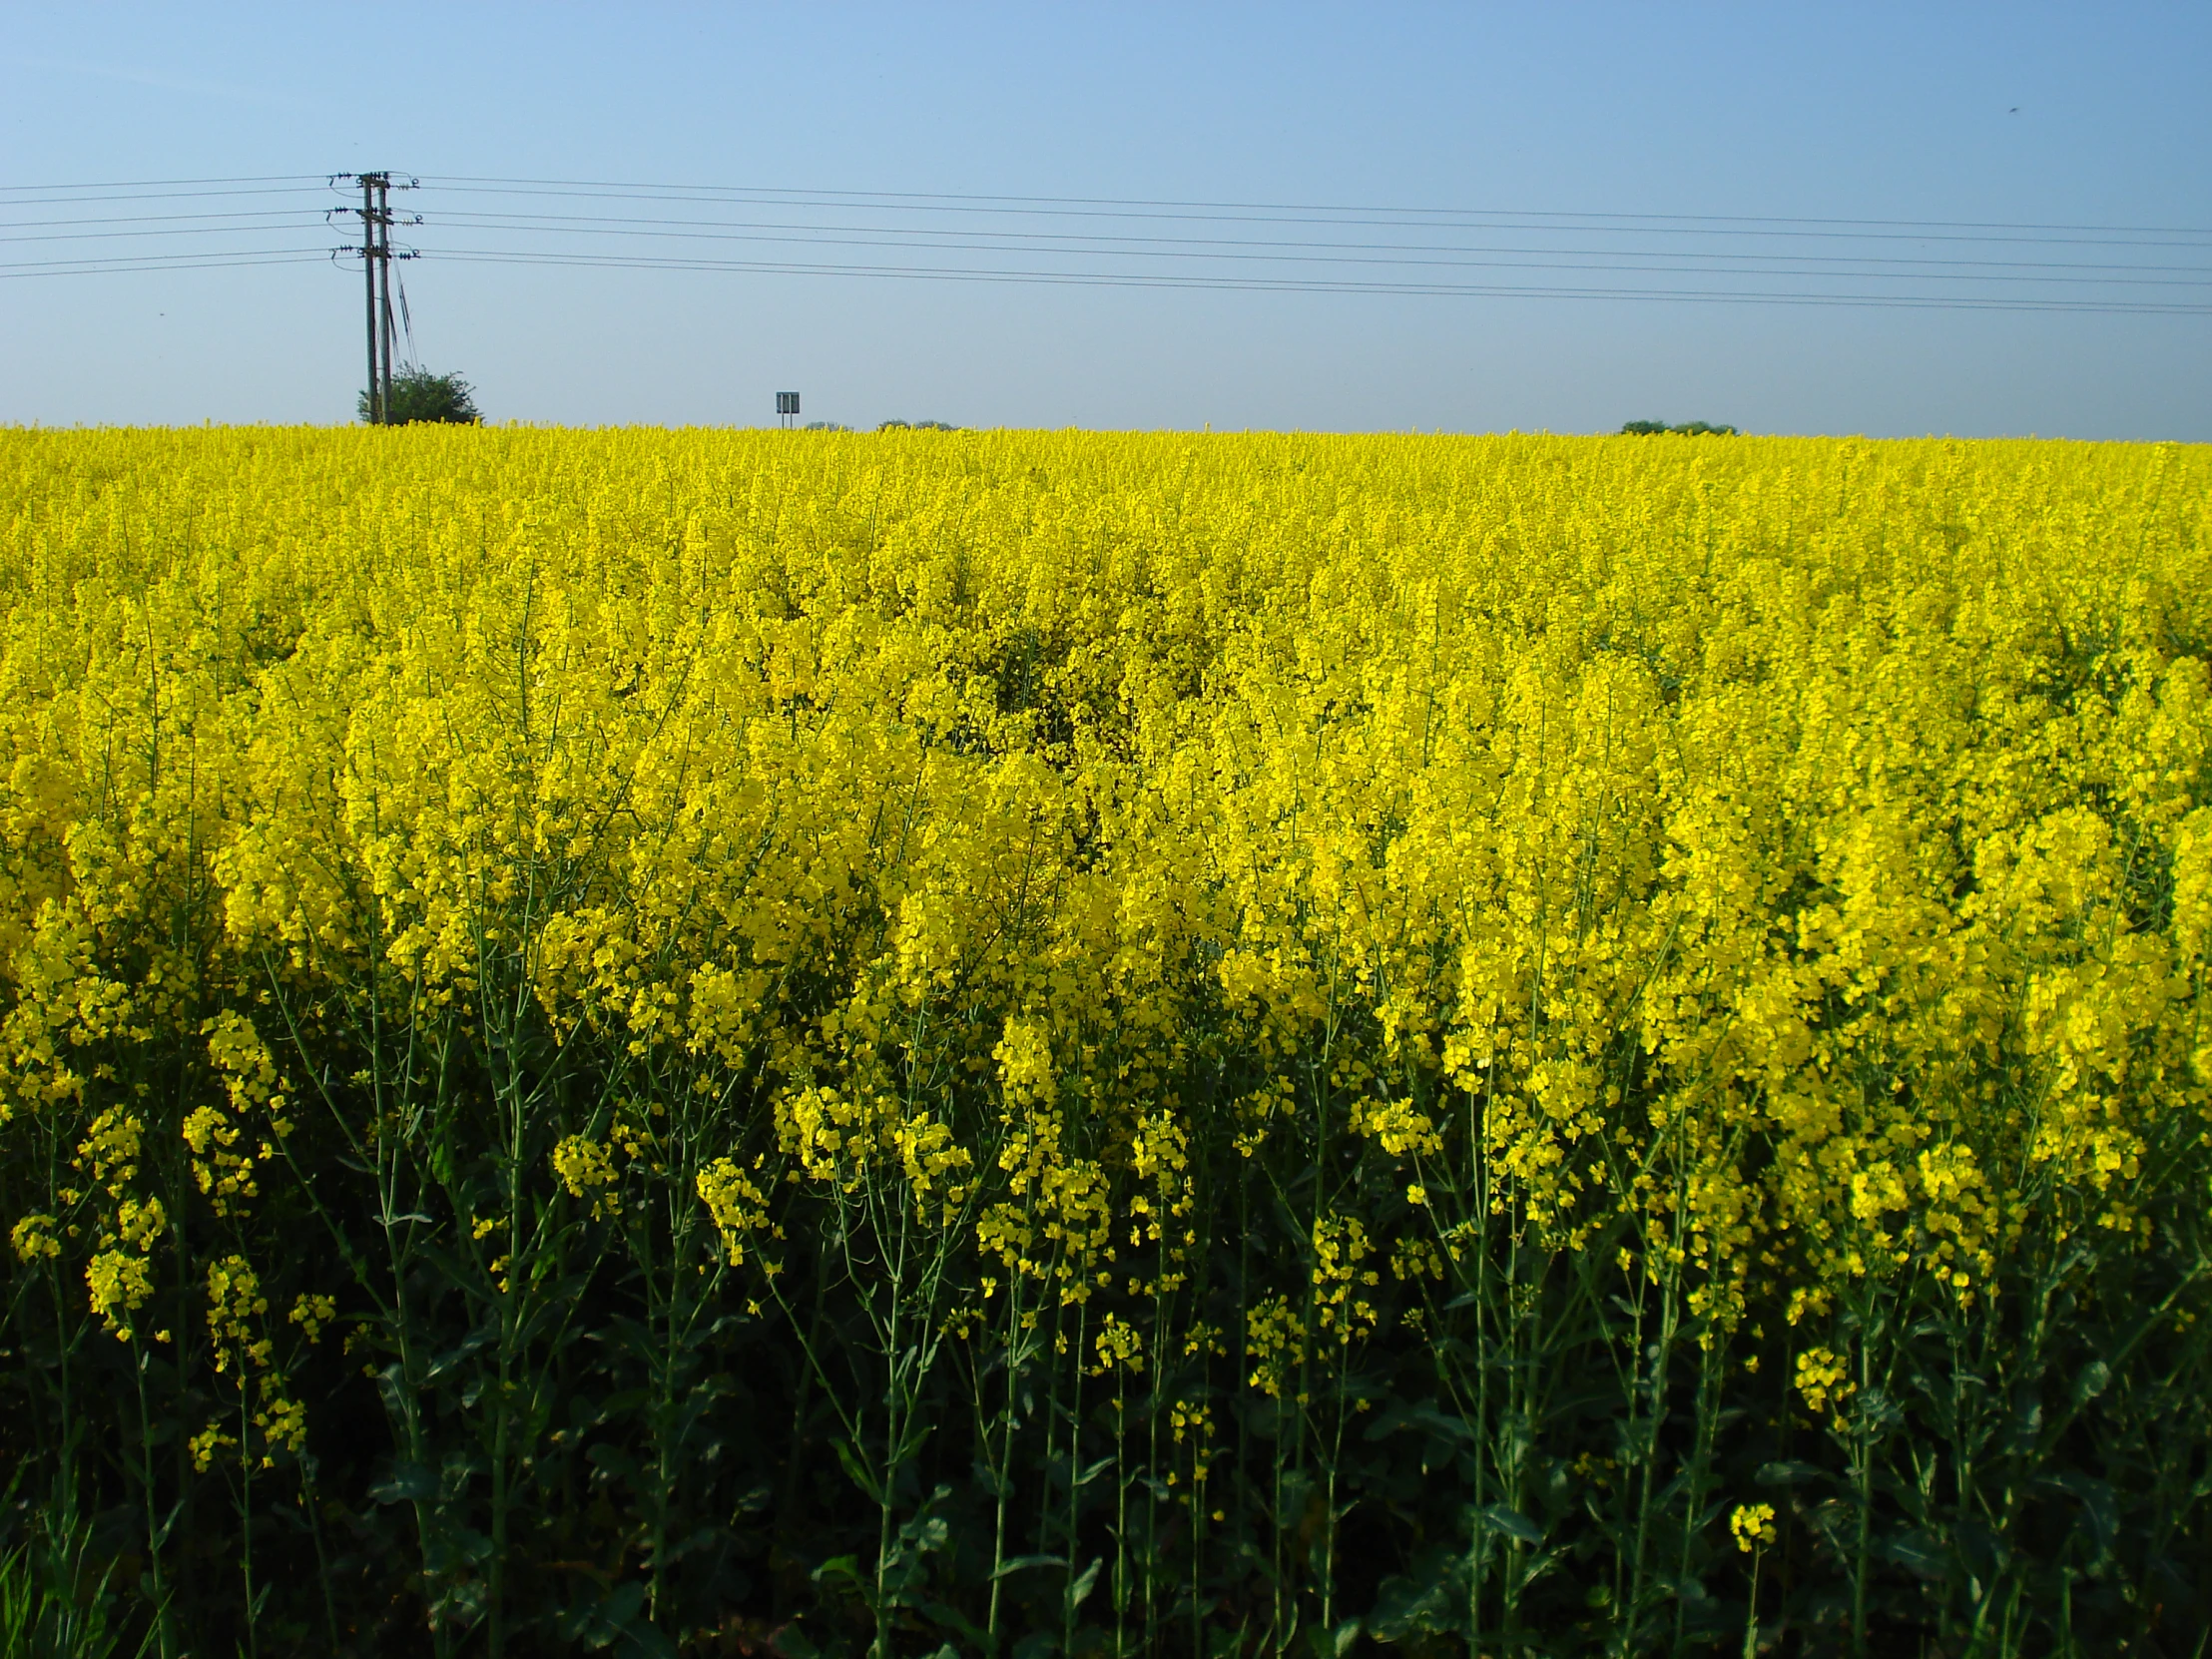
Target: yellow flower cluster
x: 1823, y: 1378
x: 1275, y: 1337
x: 1753, y: 1526
x: 1145, y: 867
x: 1340, y: 1246
x: 237, y: 1309
x: 221, y: 1169
x: 587, y: 1170
x: 1119, y: 1345
x: 735, y: 1203
x: 1719, y: 800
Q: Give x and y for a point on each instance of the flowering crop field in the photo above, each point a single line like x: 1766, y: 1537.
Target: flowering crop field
x: 1054, y: 1044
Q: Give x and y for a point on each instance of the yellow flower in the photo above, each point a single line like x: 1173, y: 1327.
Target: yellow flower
x: 587, y: 1170
x: 33, y: 1239
x: 119, y: 1284
x: 1821, y: 1377
x: 735, y: 1203
x: 1753, y: 1525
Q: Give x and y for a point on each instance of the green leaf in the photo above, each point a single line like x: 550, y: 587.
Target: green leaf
x: 1425, y: 1417
x: 1094, y: 1471
x: 950, y: 1618
x: 616, y: 1463
x: 1784, y: 1474
x: 1332, y: 1644
x: 482, y: 1337
x: 616, y: 1621
x: 1919, y: 1553
x: 857, y: 1469
x: 1501, y: 1518
x: 2095, y: 1378
x: 1019, y: 1563
x: 407, y: 1483
x: 1083, y: 1585
x: 1428, y: 1598
x: 2097, y: 1505
x: 617, y: 1610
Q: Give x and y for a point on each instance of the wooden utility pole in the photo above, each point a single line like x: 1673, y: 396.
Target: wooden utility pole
x: 376, y: 254
x: 370, y: 246
x: 383, y: 267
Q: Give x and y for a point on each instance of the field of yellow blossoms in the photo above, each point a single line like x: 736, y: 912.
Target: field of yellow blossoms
x: 1050, y: 1044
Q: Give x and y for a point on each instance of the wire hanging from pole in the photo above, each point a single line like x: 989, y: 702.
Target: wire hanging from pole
x: 383, y: 228
x: 406, y: 322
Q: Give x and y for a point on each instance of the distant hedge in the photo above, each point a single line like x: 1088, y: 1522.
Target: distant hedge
x: 1688, y: 429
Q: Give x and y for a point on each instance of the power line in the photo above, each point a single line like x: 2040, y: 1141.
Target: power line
x: 1835, y: 252
x: 983, y: 239
x: 151, y: 218
x: 140, y: 184
x: 164, y: 195
x: 1296, y: 206
x: 179, y: 261
x: 1319, y: 253
x: 1722, y: 224
x: 1608, y: 225
x: 1317, y: 286
x: 155, y: 261
x: 1871, y: 267
x: 1848, y: 257
x: 312, y: 224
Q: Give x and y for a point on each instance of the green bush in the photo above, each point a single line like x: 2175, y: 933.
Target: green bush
x: 419, y: 397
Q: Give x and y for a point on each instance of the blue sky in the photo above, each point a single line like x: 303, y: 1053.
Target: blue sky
x: 1945, y: 115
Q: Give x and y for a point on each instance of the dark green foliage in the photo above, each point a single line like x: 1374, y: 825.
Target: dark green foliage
x: 625, y: 1460
x: 1688, y: 429
x: 55, y: 1595
x: 417, y: 396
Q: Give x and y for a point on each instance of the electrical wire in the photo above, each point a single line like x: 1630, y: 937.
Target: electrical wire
x: 1360, y: 254
x: 1835, y: 252
x: 141, y: 184
x: 1317, y: 286
x: 181, y: 261
x: 1554, y: 224
x: 1890, y: 267
x: 600, y: 225
x: 312, y: 223
x: 159, y: 258
x: 1608, y: 224
x: 153, y: 218
x: 1078, y: 201
x: 406, y: 318
x: 168, y: 196
x: 1156, y: 249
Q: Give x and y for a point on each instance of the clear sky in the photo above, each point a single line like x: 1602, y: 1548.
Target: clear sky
x: 2096, y: 116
